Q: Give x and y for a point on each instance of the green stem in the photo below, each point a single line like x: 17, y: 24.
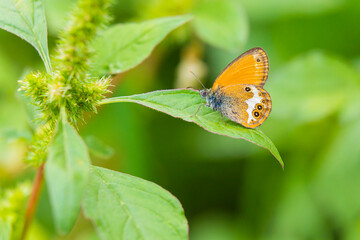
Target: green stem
x: 46, y: 61
x: 114, y: 100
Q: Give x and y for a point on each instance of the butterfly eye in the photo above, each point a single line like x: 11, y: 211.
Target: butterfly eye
x: 203, y: 93
x: 259, y: 107
x: 247, y: 89
x: 256, y: 114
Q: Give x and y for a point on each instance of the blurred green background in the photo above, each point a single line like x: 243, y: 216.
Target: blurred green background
x: 229, y: 188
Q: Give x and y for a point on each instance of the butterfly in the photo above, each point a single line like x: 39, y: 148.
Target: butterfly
x: 238, y: 92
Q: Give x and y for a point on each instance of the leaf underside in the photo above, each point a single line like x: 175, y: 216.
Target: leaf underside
x: 66, y: 172
x: 183, y: 103
x: 27, y: 20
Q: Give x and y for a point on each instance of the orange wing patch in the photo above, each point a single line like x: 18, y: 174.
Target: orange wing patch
x: 248, y: 105
x: 251, y: 67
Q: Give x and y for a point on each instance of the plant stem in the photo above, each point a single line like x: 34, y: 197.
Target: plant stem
x: 32, y: 204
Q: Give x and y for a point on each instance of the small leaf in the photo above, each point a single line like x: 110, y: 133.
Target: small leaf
x: 223, y: 24
x: 183, y: 103
x: 16, y: 134
x: 32, y: 112
x: 66, y: 172
x: 123, y: 46
x: 98, y: 148
x: 26, y: 19
x: 127, y: 207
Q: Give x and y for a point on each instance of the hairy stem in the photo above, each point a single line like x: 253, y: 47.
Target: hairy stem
x: 34, y: 198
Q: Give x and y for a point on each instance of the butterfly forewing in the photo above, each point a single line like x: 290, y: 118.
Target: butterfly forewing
x: 251, y: 67
x: 246, y: 104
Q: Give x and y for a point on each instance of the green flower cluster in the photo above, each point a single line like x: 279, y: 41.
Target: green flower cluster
x: 73, y: 51
x: 51, y: 92
x: 69, y: 86
x: 12, y: 209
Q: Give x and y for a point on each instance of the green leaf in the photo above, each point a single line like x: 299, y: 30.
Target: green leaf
x: 311, y: 87
x: 26, y: 19
x: 10, y: 134
x: 66, y: 172
x: 127, y: 207
x: 290, y: 221
x: 123, y: 46
x: 32, y: 112
x: 98, y: 148
x: 271, y: 10
x: 335, y: 184
x: 223, y: 24
x: 183, y: 103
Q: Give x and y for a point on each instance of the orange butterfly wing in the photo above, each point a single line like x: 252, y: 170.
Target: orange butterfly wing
x: 251, y: 67
x: 249, y: 108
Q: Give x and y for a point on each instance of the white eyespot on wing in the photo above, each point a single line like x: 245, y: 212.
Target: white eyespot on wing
x: 251, y: 102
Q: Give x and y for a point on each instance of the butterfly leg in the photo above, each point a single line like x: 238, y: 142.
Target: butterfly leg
x: 222, y: 116
x: 197, y: 110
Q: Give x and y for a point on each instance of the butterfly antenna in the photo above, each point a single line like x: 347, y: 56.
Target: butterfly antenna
x: 197, y: 78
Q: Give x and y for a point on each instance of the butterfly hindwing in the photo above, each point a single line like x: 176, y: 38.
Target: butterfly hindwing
x: 251, y: 67
x: 246, y: 104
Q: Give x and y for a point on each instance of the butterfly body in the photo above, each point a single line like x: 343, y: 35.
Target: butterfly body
x: 238, y: 91
x: 213, y: 100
